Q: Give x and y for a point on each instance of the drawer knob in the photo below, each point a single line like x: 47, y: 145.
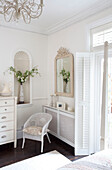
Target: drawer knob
x: 3, y: 117
x: 3, y: 136
x: 3, y: 127
x: 5, y: 102
x: 5, y: 109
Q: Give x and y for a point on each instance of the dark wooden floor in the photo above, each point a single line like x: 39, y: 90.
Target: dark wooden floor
x: 9, y: 155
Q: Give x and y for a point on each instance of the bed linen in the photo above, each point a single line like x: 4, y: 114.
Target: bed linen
x: 98, y: 161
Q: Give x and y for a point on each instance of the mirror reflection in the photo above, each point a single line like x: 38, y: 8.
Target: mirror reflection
x: 63, y: 75
x: 64, y: 71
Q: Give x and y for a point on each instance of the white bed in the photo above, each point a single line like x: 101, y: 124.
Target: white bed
x: 48, y: 161
x: 99, y: 161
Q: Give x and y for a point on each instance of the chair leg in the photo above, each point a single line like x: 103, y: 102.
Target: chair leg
x: 23, y: 142
x: 48, y: 138
x: 42, y: 145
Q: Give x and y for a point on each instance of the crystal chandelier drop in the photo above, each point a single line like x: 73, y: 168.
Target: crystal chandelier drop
x: 16, y: 9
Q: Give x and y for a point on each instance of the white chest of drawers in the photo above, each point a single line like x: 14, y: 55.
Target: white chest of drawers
x: 8, y: 120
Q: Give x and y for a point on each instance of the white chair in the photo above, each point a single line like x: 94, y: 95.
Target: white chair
x: 36, y: 127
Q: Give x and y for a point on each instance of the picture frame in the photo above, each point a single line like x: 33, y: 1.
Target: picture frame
x: 61, y: 105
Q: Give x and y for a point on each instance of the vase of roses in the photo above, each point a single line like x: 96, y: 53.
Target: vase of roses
x: 22, y: 78
x: 66, y: 78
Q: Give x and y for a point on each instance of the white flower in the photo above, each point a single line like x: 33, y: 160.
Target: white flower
x: 21, y: 78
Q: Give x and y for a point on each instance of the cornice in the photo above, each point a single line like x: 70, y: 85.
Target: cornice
x: 23, y: 27
x: 102, y: 5
x: 79, y: 17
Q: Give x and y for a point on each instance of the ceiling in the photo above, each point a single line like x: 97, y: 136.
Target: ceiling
x: 58, y: 14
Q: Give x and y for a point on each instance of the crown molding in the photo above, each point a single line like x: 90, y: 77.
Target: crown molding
x: 23, y: 27
x: 102, y: 5
x: 100, y: 22
x: 79, y: 17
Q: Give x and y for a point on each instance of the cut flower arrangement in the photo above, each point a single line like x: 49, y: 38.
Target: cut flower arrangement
x: 66, y: 75
x: 23, y: 77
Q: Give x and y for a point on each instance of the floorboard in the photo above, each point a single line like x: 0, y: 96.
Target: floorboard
x: 9, y: 155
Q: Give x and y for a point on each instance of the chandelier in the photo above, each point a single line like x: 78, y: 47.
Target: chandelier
x: 16, y: 9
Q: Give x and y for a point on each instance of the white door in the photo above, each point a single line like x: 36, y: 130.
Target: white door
x: 84, y: 103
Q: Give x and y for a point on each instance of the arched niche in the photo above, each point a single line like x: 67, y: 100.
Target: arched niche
x: 22, y: 62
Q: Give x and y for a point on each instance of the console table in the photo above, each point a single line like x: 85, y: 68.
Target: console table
x: 62, y: 124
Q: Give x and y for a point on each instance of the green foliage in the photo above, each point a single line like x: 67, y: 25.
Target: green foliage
x: 66, y: 75
x: 23, y: 77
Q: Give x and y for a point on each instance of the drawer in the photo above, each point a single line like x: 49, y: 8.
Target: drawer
x: 6, y: 126
x: 6, y: 117
x: 6, y: 109
x: 6, y: 136
x: 6, y: 102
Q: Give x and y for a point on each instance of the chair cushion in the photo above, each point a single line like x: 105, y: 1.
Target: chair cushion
x: 33, y: 130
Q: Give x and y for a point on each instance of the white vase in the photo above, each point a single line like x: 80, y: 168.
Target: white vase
x: 64, y: 86
x: 6, y: 90
x: 67, y: 88
x: 21, y: 94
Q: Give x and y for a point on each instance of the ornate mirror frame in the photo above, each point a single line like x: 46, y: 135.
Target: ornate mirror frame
x: 63, y: 53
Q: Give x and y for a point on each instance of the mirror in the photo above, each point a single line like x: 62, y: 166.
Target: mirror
x: 64, y: 73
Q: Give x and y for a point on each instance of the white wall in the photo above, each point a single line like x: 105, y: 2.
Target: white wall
x: 76, y: 39
x: 10, y: 41
x: 43, y: 50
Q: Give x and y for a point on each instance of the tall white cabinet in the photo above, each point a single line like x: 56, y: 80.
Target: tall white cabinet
x: 62, y: 124
x: 8, y: 120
